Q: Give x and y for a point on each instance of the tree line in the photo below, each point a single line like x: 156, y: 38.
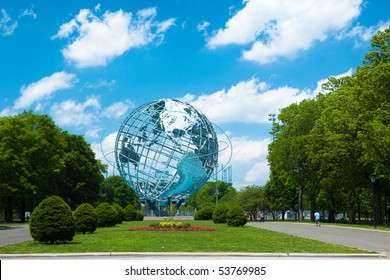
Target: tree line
x: 38, y: 159
x: 333, y: 152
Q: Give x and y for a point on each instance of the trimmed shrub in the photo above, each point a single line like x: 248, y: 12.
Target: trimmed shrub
x: 205, y: 213
x: 52, y: 221
x: 236, y: 217
x: 130, y: 213
x: 106, y: 215
x: 219, y: 214
x: 139, y: 216
x: 85, y: 218
x: 120, y: 213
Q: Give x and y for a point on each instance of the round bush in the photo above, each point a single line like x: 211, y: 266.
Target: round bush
x: 219, y: 214
x: 52, y: 221
x: 205, y: 213
x: 139, y: 216
x: 130, y: 213
x: 236, y: 217
x: 120, y: 213
x: 106, y: 215
x: 85, y: 218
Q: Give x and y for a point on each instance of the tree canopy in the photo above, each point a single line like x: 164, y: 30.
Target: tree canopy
x: 329, y: 149
x: 38, y: 159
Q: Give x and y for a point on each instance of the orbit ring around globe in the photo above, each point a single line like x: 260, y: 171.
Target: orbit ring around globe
x: 167, y: 149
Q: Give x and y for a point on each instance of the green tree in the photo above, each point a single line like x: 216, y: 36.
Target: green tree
x: 38, y: 159
x: 115, y: 190
x: 288, y: 154
x: 82, y: 173
x: 31, y: 152
x: 206, y: 196
x: 373, y: 88
x: 252, y: 200
x: 328, y: 148
x: 278, y: 197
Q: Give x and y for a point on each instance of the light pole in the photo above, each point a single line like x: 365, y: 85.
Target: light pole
x: 216, y: 184
x: 373, y: 200
x: 272, y: 118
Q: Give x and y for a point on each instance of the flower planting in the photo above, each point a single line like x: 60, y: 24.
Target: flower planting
x: 169, y: 225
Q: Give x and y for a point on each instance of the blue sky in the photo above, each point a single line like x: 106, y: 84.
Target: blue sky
x: 87, y: 64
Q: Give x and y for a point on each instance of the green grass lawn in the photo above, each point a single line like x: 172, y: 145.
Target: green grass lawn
x: 223, y: 239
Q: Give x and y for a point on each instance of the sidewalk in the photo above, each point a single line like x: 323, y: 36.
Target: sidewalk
x: 15, y: 234
x: 366, y: 239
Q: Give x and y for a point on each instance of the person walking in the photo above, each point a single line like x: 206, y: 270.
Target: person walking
x: 317, y: 218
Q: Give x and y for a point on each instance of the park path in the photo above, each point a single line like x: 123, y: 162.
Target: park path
x: 366, y: 239
x: 12, y: 235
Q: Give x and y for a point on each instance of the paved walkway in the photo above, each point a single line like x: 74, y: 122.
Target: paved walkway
x: 12, y: 235
x: 366, y: 239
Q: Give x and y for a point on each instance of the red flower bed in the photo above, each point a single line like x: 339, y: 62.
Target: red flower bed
x: 191, y: 228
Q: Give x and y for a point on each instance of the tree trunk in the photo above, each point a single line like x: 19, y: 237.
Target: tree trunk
x: 359, y: 213
x: 300, y: 205
x: 9, y: 210
x: 23, y: 211
x: 376, y: 193
x: 352, y: 208
x: 331, y: 217
x: 331, y: 210
x: 352, y: 216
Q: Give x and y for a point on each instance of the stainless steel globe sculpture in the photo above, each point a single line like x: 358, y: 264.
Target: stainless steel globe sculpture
x: 166, y: 149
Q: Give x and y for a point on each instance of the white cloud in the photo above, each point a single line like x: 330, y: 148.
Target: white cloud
x: 246, y: 149
x: 28, y: 13
x: 66, y: 29
x: 97, y: 7
x: 247, y: 102
x: 320, y: 83
x: 246, y: 154
x: 8, y: 112
x: 258, y: 174
x: 93, y: 133
x: 104, y: 151
x: 101, y: 84
x: 202, y: 26
x: 71, y: 113
x: 250, y: 154
x: 101, y: 39
x: 118, y: 109
x: 364, y: 33
x: 7, y: 25
x: 44, y: 88
x: 283, y: 28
